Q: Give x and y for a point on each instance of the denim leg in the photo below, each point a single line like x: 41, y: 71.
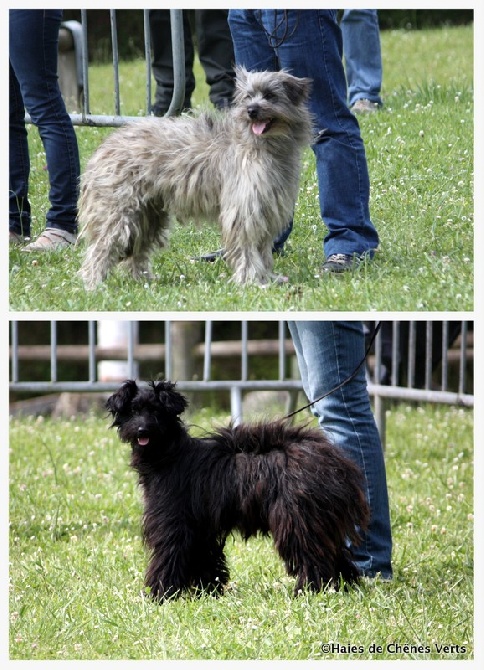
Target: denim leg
x: 36, y: 71
x: 362, y: 54
x: 308, y: 43
x: 328, y: 352
x: 252, y: 49
x: 344, y: 200
x: 278, y: 244
x: 19, y: 162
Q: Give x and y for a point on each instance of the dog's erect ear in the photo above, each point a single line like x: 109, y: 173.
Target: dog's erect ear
x: 122, y: 398
x: 297, y: 89
x: 172, y: 401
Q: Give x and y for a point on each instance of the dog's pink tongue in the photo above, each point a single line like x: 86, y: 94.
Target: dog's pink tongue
x: 258, y: 128
x: 143, y: 441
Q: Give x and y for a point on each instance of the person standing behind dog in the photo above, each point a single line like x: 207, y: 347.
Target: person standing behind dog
x: 215, y: 51
x: 308, y: 43
x: 33, y: 49
x: 328, y: 352
x: 363, y: 62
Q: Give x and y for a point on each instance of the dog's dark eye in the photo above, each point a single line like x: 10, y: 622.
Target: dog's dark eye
x: 272, y: 97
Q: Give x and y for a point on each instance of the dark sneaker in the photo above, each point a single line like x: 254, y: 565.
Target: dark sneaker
x: 341, y: 263
x: 211, y: 257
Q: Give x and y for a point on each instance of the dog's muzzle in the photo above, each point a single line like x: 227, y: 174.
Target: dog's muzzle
x: 143, y: 437
x: 259, y: 126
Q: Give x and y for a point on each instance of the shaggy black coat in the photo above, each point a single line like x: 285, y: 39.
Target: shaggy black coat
x: 270, y: 478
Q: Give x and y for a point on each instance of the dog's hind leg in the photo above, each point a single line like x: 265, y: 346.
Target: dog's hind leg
x: 107, y: 245
x: 317, y: 564
x: 154, y: 235
x: 97, y: 264
x: 130, y: 240
x: 346, y: 568
x: 308, y: 554
x: 312, y: 572
x: 317, y: 573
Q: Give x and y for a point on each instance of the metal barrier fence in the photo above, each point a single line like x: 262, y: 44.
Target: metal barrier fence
x: 411, y: 361
x: 74, y: 37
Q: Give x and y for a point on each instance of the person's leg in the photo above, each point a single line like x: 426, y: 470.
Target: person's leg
x: 362, y: 55
x: 162, y: 62
x: 309, y: 44
x: 251, y: 46
x: 36, y: 71
x: 328, y: 352
x: 216, y: 53
x: 19, y: 163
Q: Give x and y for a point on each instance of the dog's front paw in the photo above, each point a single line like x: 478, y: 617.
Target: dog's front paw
x: 274, y: 279
x: 89, y: 279
x: 140, y: 270
x: 160, y: 595
x: 263, y: 281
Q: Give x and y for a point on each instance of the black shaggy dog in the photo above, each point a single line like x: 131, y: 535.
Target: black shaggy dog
x: 268, y: 478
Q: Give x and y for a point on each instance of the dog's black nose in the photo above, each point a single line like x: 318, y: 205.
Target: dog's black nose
x: 253, y: 111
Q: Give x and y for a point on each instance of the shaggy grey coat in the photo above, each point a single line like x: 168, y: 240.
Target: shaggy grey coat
x: 240, y: 168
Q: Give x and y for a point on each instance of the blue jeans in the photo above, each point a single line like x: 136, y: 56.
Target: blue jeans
x: 34, y: 36
x: 308, y: 43
x: 362, y: 54
x: 328, y: 352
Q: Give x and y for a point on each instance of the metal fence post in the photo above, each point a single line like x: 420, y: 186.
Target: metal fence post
x: 178, y: 48
x: 236, y: 404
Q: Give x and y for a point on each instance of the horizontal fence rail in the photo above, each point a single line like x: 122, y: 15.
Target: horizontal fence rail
x: 394, y: 367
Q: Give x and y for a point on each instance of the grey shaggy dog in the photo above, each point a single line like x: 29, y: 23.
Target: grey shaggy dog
x: 240, y: 168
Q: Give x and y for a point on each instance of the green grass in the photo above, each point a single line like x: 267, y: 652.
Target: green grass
x: 77, y: 562
x: 420, y: 156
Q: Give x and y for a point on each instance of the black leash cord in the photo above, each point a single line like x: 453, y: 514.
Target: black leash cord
x: 345, y: 381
